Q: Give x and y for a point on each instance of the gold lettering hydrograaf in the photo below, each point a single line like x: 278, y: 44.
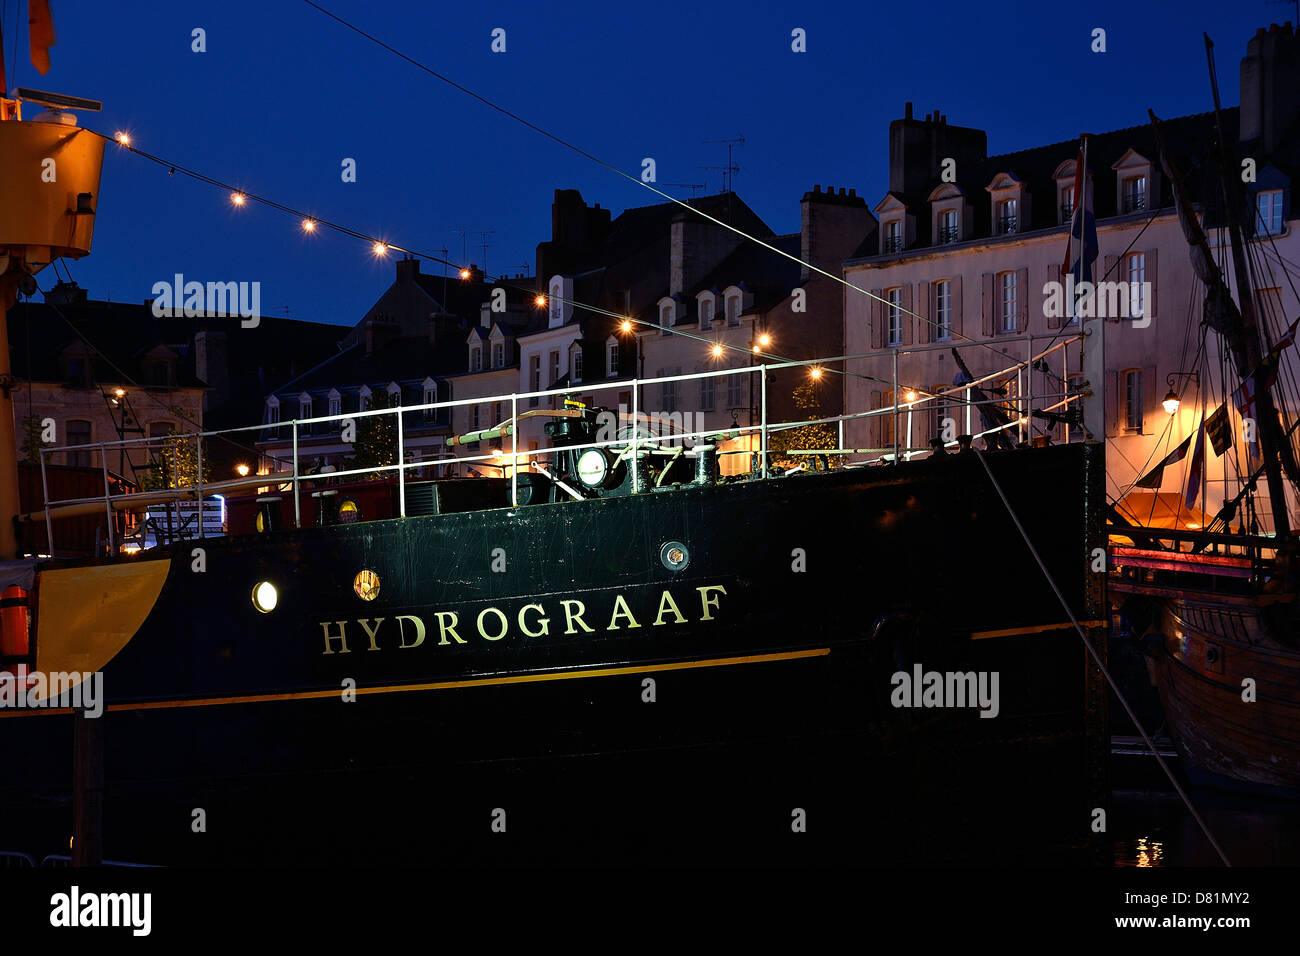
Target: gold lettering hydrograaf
x: 532, y: 620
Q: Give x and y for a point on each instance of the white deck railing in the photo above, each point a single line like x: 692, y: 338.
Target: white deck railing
x: 957, y: 396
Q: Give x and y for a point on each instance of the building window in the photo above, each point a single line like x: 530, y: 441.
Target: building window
x: 1067, y: 203
x: 1135, y: 267
x: 942, y: 310
x: 394, y: 395
x: 555, y: 367
x: 476, y: 359
x: 1133, y: 400
x: 706, y: 313
x: 430, y: 396
x: 893, y: 239
x: 557, y: 306
x: 611, y: 359
x: 273, y: 413
x: 668, y: 390
x: 948, y: 231
x: 894, y: 317
x: 1007, y: 301
x: 733, y: 310
x: 77, y: 432
x: 365, y: 400
x: 498, y: 355
x: 1268, y: 206
x: 1135, y: 193
x: 335, y: 404
x: 666, y: 318
x: 735, y: 390
x: 1007, y: 218
x: 708, y: 392
x: 534, y: 378
x: 304, y: 411
x: 887, y: 419
x: 575, y: 365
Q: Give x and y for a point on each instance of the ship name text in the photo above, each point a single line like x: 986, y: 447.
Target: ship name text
x: 491, y: 624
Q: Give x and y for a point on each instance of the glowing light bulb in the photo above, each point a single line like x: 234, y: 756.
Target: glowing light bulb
x: 815, y: 372
x: 717, y: 351
x: 626, y: 326
x: 540, y: 301
x: 124, y: 139
x: 309, y: 225
x: 237, y: 198
x: 379, y: 249
x: 242, y: 469
x: 911, y: 395
x: 765, y: 340
x: 464, y: 273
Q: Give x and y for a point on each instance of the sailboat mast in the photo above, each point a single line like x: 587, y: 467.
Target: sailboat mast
x: 1266, y: 412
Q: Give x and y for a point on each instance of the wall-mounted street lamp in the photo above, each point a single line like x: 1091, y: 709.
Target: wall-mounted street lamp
x: 1171, y: 400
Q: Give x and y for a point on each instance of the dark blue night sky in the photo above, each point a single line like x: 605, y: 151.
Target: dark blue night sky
x: 284, y: 94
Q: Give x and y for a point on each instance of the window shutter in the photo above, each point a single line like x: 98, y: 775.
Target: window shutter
x: 924, y: 331
x: 1151, y: 277
x: 1149, y: 405
x: 877, y: 320
x: 905, y: 295
x: 954, y: 289
x: 987, y: 304
x: 1113, y: 404
x: 1110, y: 273
x: 1054, y: 275
x: 1022, y: 300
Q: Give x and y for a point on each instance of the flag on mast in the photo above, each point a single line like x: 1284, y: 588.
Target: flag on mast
x: 40, y: 31
x: 1083, y: 225
x: 1155, y: 476
x: 1197, y: 471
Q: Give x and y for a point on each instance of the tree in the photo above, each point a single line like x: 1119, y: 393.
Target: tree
x: 376, y: 443
x: 174, y: 463
x: 807, y: 399
x: 31, y: 442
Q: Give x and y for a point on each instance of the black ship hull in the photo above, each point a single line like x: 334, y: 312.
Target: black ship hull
x: 696, y: 634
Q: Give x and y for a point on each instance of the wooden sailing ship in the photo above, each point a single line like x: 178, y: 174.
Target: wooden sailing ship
x: 1218, y: 605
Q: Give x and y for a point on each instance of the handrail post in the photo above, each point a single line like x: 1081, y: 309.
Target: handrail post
x: 636, y: 483
x: 45, y: 496
x: 401, y: 463
x: 514, y: 450
x: 198, y: 446
x: 968, y: 429
x: 762, y: 373
x: 108, y: 501
x: 297, y: 513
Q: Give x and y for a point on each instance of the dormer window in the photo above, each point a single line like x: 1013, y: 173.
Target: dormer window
x: 430, y: 396
x: 557, y: 311
x: 273, y: 415
x: 892, y: 240
x: 1268, y: 212
x: 1135, y: 194
x: 365, y: 399
x: 705, y: 303
x: 304, y: 405
x: 476, y: 358
x: 1067, y: 199
x: 335, y: 402
x: 1007, y: 219
x: 667, y: 315
x: 394, y: 394
x: 1136, y: 185
x: 1067, y: 203
x: 498, y: 355
x: 948, y: 229
x: 733, y: 310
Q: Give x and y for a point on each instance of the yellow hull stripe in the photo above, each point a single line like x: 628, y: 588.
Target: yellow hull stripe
x: 1036, y: 629
x: 441, y: 685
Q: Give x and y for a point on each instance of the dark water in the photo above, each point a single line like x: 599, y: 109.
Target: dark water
x: 1154, y: 828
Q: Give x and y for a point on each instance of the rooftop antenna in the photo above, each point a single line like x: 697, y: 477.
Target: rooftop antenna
x: 728, y: 171
x: 483, y: 236
x: 694, y: 186
x: 464, y: 247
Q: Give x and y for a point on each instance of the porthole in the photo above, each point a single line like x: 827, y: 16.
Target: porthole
x: 674, y: 555
x: 366, y: 584
x: 265, y: 597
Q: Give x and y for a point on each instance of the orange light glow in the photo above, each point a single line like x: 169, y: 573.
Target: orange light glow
x: 242, y: 469
x: 815, y: 372
x: 379, y: 249
x: 911, y: 396
x: 540, y: 301
x: 309, y: 225
x: 464, y: 273
x: 124, y: 139
x: 717, y: 351
x: 237, y: 198
x: 765, y: 340
x: 626, y: 326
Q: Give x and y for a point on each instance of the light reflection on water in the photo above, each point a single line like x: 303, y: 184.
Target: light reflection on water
x: 1155, y: 830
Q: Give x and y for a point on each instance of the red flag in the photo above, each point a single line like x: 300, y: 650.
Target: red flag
x: 1198, y: 467
x: 40, y: 30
